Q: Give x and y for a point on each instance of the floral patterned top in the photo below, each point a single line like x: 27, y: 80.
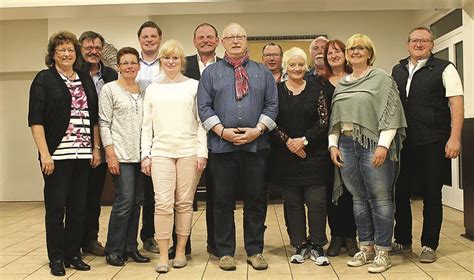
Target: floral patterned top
x: 76, y: 142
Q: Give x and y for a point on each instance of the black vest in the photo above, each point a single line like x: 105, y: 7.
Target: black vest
x: 426, y: 107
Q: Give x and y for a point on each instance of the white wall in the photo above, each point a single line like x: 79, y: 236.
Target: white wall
x: 468, y: 61
x: 386, y: 28
x: 20, y: 178
x: 22, y: 45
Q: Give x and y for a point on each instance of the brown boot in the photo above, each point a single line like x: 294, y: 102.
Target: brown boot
x: 335, y: 246
x: 351, y: 245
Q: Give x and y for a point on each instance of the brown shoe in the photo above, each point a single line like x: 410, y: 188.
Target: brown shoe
x: 94, y: 248
x: 258, y: 262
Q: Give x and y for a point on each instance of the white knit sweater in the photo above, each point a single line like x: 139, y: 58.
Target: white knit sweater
x: 171, y: 125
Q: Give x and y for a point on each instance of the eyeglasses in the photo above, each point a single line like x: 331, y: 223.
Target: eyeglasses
x: 358, y: 48
x: 275, y: 55
x: 239, y: 38
x: 63, y: 51
x: 420, y: 41
x: 128, y: 63
x: 89, y: 49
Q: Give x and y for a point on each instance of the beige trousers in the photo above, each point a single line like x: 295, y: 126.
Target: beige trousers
x: 174, y: 182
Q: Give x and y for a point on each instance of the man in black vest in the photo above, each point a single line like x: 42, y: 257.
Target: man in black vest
x: 92, y: 44
x: 205, y: 40
x: 432, y: 97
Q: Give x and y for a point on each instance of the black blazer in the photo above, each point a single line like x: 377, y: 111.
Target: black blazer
x: 192, y: 67
x: 50, y: 104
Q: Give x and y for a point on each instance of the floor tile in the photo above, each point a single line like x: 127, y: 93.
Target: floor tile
x: 23, y: 252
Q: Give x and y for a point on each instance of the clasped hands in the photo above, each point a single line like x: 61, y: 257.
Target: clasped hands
x: 296, y: 146
x: 240, y: 135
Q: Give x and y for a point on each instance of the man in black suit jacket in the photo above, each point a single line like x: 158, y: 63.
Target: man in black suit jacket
x: 205, y: 40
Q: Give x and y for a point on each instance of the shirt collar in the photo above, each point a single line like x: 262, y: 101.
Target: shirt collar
x: 213, y: 60
x: 146, y: 62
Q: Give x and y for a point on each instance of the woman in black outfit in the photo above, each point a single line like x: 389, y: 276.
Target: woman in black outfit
x: 301, y: 157
x: 340, y: 215
x: 63, y: 119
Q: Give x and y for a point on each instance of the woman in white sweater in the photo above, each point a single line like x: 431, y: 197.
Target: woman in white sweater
x: 174, y: 150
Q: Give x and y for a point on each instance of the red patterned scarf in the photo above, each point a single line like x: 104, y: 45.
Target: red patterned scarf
x: 241, y: 76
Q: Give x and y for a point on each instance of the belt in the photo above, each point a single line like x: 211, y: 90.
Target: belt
x: 347, y: 132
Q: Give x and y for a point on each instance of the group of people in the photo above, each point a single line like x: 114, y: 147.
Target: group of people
x: 344, y: 138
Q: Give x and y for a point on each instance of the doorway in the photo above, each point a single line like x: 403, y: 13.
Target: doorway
x: 450, y: 47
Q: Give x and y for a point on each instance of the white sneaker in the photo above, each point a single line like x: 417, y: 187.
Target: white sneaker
x: 381, y: 262
x: 361, y: 258
x: 427, y: 255
x: 318, y: 257
x: 302, y: 253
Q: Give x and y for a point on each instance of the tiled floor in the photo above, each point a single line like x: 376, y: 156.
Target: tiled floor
x: 23, y: 252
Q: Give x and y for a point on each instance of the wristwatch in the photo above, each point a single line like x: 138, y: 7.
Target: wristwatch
x: 305, y: 141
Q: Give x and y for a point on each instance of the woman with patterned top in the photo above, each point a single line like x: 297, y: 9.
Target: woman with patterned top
x: 174, y: 151
x: 120, y: 118
x: 63, y: 119
x: 301, y: 157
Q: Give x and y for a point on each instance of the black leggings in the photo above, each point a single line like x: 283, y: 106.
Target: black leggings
x: 314, y: 197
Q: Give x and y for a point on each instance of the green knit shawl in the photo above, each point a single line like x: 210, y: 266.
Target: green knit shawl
x: 372, y: 103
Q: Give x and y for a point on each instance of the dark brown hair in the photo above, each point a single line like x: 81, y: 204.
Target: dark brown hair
x: 91, y: 35
x: 342, y: 46
x: 206, y: 24
x: 149, y: 24
x: 59, y: 38
x: 127, y: 50
x: 273, y: 44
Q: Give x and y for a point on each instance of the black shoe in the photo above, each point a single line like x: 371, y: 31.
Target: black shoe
x: 136, y: 256
x: 335, y: 246
x: 57, y: 268
x: 114, y: 260
x: 172, y: 252
x: 77, y: 263
x: 351, y: 245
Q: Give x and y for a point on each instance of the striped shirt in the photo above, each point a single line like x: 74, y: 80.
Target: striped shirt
x: 76, y: 142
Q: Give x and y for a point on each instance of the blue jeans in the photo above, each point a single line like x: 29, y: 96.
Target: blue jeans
x: 123, y: 224
x: 242, y: 172
x: 371, y: 189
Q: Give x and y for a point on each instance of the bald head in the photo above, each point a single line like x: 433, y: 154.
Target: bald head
x: 233, y: 27
x: 234, y: 40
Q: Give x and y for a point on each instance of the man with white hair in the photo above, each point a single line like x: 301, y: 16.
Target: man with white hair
x: 238, y: 105
x: 316, y: 50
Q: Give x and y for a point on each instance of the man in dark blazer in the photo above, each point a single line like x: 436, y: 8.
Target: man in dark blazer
x: 92, y: 44
x: 205, y: 40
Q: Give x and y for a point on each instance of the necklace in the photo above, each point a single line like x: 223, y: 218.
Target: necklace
x: 292, y: 90
x: 68, y: 77
x: 133, y: 97
x: 363, y: 74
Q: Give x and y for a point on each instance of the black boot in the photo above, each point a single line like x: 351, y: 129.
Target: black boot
x: 114, y: 260
x: 335, y: 246
x: 57, y: 268
x: 77, y: 263
x: 136, y: 256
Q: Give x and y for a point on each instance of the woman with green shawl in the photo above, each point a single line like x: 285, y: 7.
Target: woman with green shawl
x: 366, y: 131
